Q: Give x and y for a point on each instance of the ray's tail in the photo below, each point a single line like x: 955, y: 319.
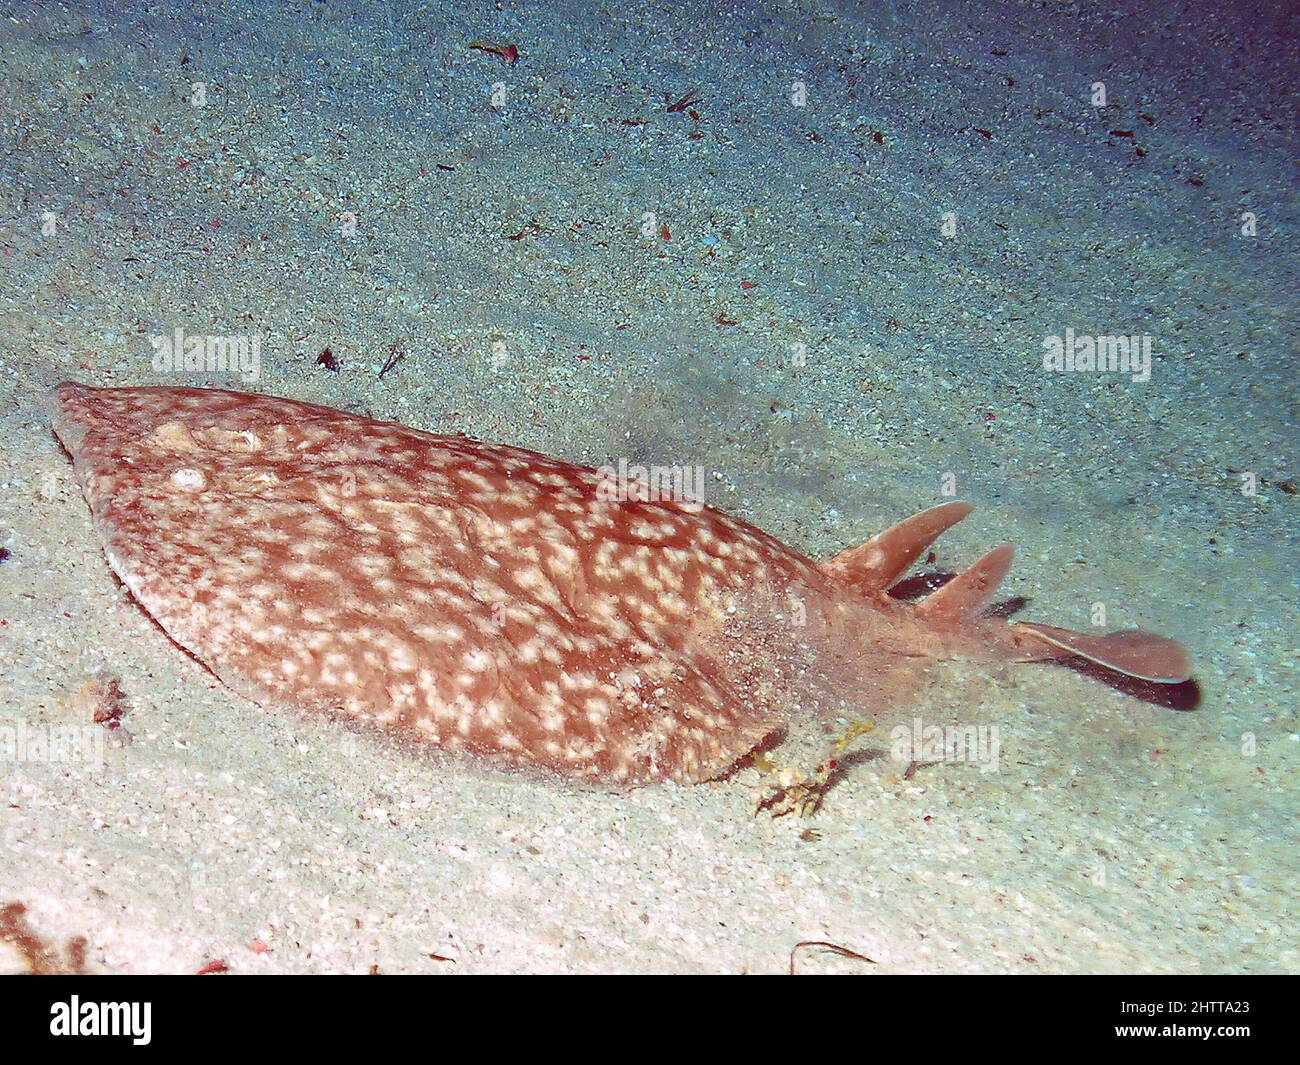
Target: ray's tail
x: 872, y: 568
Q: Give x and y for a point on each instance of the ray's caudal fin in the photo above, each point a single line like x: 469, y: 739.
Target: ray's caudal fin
x: 874, y: 567
x: 1132, y: 652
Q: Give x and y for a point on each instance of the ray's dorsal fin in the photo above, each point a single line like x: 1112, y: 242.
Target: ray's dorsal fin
x: 968, y: 593
x: 1132, y: 652
x: 882, y: 560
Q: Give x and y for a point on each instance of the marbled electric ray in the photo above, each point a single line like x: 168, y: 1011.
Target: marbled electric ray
x: 496, y: 601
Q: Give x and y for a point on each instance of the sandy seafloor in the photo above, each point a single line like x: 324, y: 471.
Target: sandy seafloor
x: 1117, y: 835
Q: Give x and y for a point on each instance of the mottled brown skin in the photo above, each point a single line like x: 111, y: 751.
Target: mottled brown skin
x: 485, y: 598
